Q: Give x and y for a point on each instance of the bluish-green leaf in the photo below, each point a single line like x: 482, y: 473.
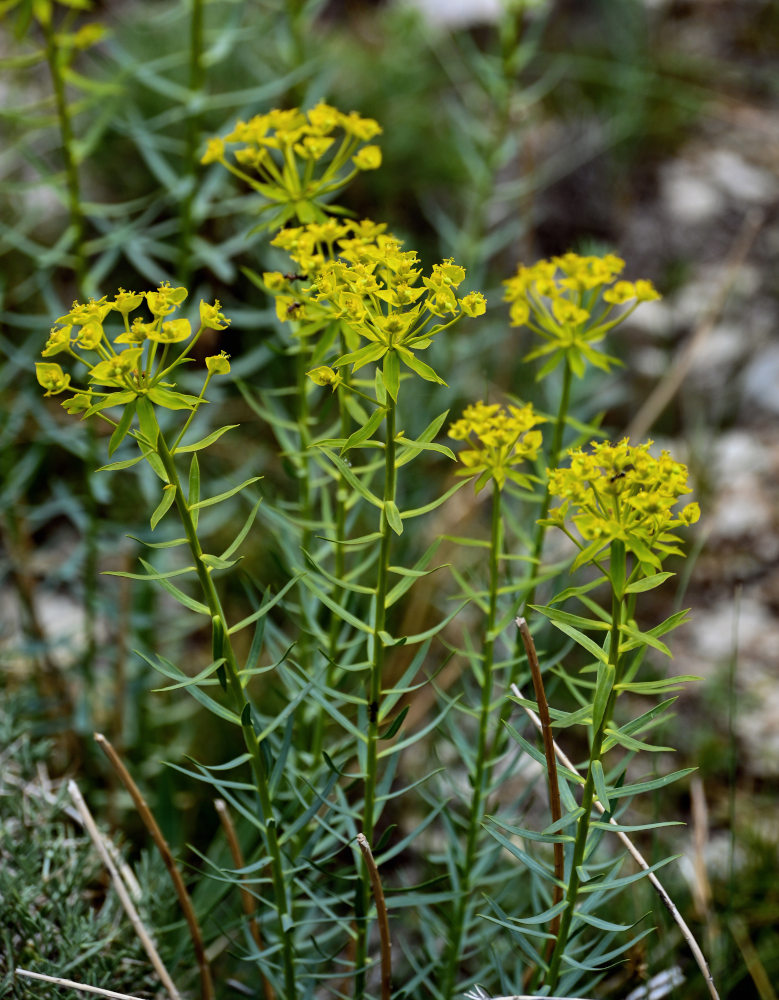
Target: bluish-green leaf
x: 168, y: 496
x: 206, y: 441
x: 392, y: 514
x: 210, y: 501
x: 121, y: 429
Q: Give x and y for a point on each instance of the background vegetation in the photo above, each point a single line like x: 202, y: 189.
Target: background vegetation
x: 594, y: 126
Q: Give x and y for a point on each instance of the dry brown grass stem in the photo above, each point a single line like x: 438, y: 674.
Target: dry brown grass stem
x: 381, y: 916
x: 71, y: 985
x: 206, y: 983
x: 247, y: 899
x: 555, y: 805
x: 666, y: 389
x: 685, y: 931
x: 145, y: 938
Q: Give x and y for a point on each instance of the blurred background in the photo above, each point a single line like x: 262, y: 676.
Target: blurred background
x: 512, y: 131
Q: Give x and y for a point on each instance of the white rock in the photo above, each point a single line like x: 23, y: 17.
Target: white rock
x: 740, y: 179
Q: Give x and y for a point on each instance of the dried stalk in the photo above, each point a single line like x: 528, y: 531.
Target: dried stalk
x: 381, y: 916
x: 121, y: 891
x: 247, y: 899
x: 640, y: 861
x: 551, y: 763
x: 70, y: 984
x: 206, y: 983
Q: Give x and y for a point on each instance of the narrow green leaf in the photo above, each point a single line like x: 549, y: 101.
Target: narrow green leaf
x: 193, y: 490
x: 647, y: 583
x: 417, y: 511
x: 121, y: 429
x: 233, y: 547
x: 554, y: 615
x: 150, y: 576
x: 170, y: 400
x: 365, y: 432
x: 391, y: 373
x: 168, y: 496
x: 190, y: 681
x: 224, y: 496
x: 620, y: 883
x: 352, y: 480
x: 215, y: 562
x: 246, y: 715
x: 184, y: 599
x: 599, y: 780
x: 392, y: 515
x: 206, y: 441
x: 171, y: 544
x: 636, y: 638
x: 126, y: 463
x: 580, y: 638
x: 147, y: 423
x: 419, y: 367
x: 395, y: 725
x: 658, y: 687
x: 640, y: 787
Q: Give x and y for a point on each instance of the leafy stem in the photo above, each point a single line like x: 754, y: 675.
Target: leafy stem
x: 609, y: 676
x: 234, y: 687
x: 481, y: 775
x: 375, y: 680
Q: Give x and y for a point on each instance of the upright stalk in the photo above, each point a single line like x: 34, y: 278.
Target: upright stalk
x: 553, y: 459
x: 614, y: 667
x: 241, y: 707
x: 374, y: 689
x: 481, y: 776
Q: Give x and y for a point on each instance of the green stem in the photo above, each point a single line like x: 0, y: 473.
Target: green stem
x: 234, y: 687
x: 481, y: 777
x: 339, y: 571
x: 553, y: 459
x: 614, y: 667
x: 374, y: 687
x: 538, y: 547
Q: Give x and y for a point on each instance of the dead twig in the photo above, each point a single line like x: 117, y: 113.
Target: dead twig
x: 686, y: 933
x: 70, y: 984
x: 206, y: 983
x: 97, y: 839
x: 551, y: 763
x: 381, y: 916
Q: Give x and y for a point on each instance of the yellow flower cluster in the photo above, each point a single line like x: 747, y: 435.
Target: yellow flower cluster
x: 501, y: 438
x: 359, y: 275
x: 135, y: 359
x: 568, y: 302
x: 623, y: 493
x: 296, y: 158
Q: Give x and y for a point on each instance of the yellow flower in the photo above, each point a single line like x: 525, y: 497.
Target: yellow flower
x: 218, y: 364
x: 501, y: 438
x: 211, y: 316
x: 51, y: 376
x: 59, y: 340
x: 324, y: 375
x: 368, y: 158
x: 474, y: 304
x: 623, y: 493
